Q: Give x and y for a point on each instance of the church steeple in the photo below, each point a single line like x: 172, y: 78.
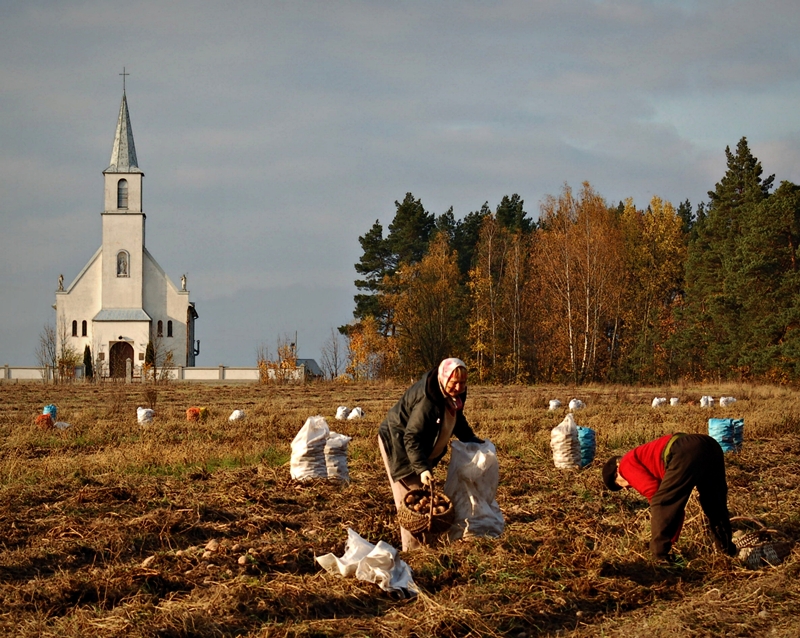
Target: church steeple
x: 123, y: 153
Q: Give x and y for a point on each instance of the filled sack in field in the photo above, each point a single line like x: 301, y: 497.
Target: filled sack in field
x: 724, y: 402
x: 565, y: 444
x: 377, y: 564
x: 727, y: 432
x: 236, y: 415
x: 658, y: 402
x: 336, y: 457
x: 576, y: 404
x: 588, y: 442
x: 355, y: 413
x: 193, y: 414
x: 44, y: 421
x: 61, y: 425
x: 144, y: 415
x: 554, y: 405
x: 472, y: 478
x: 308, y: 450
x: 50, y: 409
x: 341, y: 412
x: 674, y: 401
x: 706, y: 401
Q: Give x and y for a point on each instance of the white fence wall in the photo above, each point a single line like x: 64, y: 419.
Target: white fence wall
x: 218, y: 373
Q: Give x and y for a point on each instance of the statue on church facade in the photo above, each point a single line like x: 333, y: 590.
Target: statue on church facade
x: 183, y: 283
x: 61, y: 283
x: 122, y: 264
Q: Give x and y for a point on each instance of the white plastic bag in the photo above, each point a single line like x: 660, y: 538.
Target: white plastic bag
x: 724, y: 402
x: 554, y: 404
x: 355, y: 413
x: 144, y: 415
x: 576, y: 404
x: 706, y: 401
x: 565, y: 444
x: 236, y: 415
x: 472, y: 478
x: 372, y: 563
x: 308, y: 450
x: 674, y: 401
x: 336, y: 457
x: 61, y: 425
x: 341, y: 412
x: 658, y: 402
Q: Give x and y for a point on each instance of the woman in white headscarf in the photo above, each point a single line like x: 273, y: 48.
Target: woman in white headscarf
x: 414, y: 435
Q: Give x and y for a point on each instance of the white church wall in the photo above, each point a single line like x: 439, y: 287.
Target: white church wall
x: 165, y: 303
x: 111, y: 183
x: 80, y: 302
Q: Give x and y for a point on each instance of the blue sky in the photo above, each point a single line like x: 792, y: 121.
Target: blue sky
x: 273, y: 134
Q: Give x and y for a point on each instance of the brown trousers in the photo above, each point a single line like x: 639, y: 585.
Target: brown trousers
x: 694, y: 460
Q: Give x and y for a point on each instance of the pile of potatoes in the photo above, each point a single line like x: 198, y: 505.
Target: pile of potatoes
x: 418, y: 501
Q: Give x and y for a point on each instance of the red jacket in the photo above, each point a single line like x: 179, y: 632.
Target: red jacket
x: 643, y: 467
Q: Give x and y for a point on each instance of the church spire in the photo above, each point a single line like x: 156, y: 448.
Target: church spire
x: 123, y: 154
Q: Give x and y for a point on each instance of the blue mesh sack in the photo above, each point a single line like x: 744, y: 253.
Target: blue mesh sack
x: 727, y: 432
x: 587, y: 439
x: 51, y: 410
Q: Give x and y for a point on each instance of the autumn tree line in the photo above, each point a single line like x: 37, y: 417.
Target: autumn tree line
x: 588, y: 292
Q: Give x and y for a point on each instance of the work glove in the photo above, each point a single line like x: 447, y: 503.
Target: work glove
x: 426, y: 477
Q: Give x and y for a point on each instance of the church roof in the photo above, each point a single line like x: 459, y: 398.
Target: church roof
x: 123, y: 154
x: 121, y: 314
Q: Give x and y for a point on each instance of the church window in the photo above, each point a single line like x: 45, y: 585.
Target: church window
x: 122, y: 193
x: 74, y: 328
x: 160, y: 332
x: 83, y: 328
x: 122, y: 264
x: 169, y: 328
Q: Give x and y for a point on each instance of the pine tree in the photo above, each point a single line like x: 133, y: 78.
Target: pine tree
x: 88, y: 370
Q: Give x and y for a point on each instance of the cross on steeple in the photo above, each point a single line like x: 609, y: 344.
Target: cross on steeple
x: 123, y: 74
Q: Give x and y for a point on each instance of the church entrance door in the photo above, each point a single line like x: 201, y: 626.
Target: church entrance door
x: 120, y: 353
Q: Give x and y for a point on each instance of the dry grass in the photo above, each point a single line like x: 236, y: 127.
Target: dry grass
x: 103, y: 525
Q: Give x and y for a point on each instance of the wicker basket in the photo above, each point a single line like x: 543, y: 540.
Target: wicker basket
x: 419, y: 522
x: 762, y: 546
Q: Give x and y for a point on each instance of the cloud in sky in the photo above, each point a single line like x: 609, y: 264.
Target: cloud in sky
x: 273, y: 134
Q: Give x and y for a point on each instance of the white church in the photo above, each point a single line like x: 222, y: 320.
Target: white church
x: 122, y: 298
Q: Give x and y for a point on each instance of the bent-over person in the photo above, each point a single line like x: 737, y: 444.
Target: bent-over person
x: 665, y: 471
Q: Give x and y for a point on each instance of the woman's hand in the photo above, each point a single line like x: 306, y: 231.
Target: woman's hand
x: 426, y: 477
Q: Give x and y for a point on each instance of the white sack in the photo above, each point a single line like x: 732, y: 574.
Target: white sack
x: 236, y: 415
x: 554, y: 404
x: 336, y: 457
x: 308, y: 450
x: 341, y: 412
x: 565, y: 444
x: 355, y: 413
x: 706, y: 401
x: 144, y: 415
x: 472, y: 478
x: 674, y: 401
x: 576, y: 404
x: 373, y: 563
x: 61, y: 425
x: 724, y: 402
x: 659, y: 401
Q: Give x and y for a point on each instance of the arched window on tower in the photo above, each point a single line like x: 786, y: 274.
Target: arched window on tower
x: 122, y: 193
x: 83, y: 328
x: 75, y: 328
x: 160, y: 332
x: 169, y: 328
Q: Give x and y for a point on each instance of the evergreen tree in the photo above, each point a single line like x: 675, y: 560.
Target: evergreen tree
x: 88, y: 370
x: 410, y: 232
x: 466, y: 236
x: 712, y: 314
x: 512, y: 216
x: 375, y: 264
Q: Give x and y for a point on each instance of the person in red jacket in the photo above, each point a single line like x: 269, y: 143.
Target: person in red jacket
x: 665, y: 471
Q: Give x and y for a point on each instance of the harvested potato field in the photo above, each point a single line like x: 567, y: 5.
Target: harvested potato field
x: 182, y: 527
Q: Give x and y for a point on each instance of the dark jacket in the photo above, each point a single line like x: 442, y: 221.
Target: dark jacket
x: 411, y: 427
